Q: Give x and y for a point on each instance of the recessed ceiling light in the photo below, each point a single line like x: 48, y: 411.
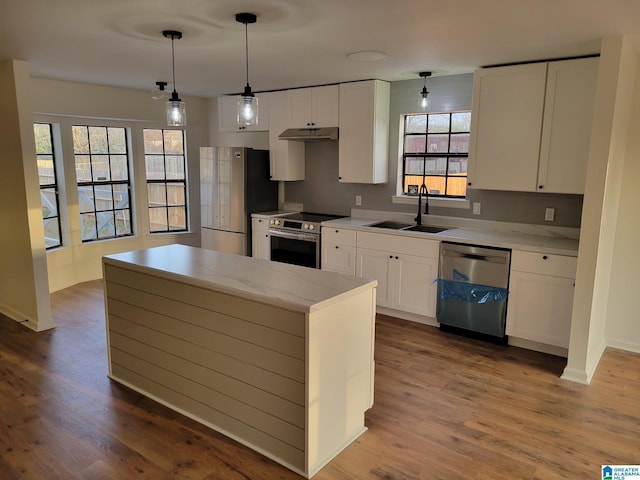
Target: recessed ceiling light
x: 367, y: 56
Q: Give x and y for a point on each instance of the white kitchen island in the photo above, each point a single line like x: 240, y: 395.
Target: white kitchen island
x: 275, y: 356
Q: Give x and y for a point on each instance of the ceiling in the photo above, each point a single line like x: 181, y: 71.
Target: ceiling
x: 296, y: 42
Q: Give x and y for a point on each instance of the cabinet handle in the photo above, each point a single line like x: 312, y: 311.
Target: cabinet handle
x: 390, y: 256
x: 469, y: 184
x: 396, y: 258
x: 544, y: 257
x: 336, y: 247
x: 337, y: 231
x: 540, y: 187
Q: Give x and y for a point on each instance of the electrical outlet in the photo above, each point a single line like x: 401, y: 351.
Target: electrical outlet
x: 549, y: 214
x: 358, y: 200
x: 476, y: 208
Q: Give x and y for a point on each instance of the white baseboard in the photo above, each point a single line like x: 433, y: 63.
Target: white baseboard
x: 24, y: 320
x: 585, y: 376
x: 623, y: 345
x: 407, y: 316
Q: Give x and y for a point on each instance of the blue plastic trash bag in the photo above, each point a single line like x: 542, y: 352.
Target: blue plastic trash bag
x: 470, y: 292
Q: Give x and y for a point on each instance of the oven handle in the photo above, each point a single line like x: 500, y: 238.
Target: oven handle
x: 307, y: 237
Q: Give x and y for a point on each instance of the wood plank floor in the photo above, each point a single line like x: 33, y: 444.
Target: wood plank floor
x: 446, y: 407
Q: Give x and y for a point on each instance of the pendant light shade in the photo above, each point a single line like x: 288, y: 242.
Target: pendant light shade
x: 248, y: 102
x: 176, y: 108
x: 424, y: 94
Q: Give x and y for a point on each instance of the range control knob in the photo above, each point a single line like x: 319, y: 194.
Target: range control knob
x: 311, y: 227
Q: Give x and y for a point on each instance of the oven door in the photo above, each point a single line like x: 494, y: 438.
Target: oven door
x: 297, y: 248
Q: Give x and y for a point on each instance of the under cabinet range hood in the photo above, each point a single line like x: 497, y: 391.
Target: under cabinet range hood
x: 309, y: 134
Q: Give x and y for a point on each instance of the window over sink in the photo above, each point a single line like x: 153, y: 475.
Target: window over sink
x: 436, y: 152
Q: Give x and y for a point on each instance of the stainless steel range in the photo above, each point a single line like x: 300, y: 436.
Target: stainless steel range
x: 295, y: 238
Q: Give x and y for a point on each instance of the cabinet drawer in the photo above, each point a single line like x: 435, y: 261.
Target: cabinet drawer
x: 544, y: 264
x: 260, y: 224
x: 339, y: 236
x: 420, y: 247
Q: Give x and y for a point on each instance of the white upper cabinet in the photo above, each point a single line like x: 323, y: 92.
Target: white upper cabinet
x: 364, y: 132
x: 228, y: 114
x: 286, y: 158
x: 507, y: 115
x: 566, y: 128
x: 531, y: 126
x: 313, y: 107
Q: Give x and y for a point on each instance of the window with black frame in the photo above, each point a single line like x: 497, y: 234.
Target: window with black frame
x: 436, y: 153
x: 102, y: 174
x: 49, y: 193
x: 166, y: 171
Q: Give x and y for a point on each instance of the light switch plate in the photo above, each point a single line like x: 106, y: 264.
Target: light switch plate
x: 549, y: 214
x: 476, y: 208
x: 358, y: 200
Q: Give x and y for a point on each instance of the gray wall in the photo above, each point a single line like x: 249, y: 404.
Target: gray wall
x: 321, y: 191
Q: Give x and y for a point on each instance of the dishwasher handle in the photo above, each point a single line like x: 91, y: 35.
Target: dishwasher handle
x: 474, y: 256
x: 499, y: 257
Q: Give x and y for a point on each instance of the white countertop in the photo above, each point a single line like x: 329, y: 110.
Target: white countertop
x: 559, y: 245
x: 288, y: 286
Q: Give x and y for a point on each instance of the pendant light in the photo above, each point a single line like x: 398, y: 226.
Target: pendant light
x: 247, y: 103
x: 176, y: 109
x: 424, y: 101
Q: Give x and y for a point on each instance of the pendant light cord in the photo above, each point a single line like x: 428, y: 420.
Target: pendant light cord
x: 173, y: 63
x: 246, y: 50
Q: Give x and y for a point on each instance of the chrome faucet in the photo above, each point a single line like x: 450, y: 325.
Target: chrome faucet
x: 423, y: 191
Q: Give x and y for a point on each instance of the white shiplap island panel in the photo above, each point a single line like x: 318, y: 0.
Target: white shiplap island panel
x: 278, y: 357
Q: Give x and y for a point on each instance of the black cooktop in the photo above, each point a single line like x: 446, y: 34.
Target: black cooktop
x: 311, y: 217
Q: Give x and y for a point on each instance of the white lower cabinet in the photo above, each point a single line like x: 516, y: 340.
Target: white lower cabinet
x: 260, y: 241
x: 405, y: 267
x: 541, y: 290
x: 338, y: 250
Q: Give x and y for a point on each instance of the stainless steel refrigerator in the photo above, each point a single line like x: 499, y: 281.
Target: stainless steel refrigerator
x: 234, y: 183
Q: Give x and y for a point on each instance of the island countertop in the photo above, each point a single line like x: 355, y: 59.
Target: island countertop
x: 289, y: 286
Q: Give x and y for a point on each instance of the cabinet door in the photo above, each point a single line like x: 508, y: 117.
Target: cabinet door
x: 339, y: 258
x: 364, y: 132
x: 227, y: 114
x: 286, y: 158
x: 325, y: 106
x: 506, y: 127
x: 313, y: 107
x: 376, y: 265
x: 540, y: 308
x: 566, y: 128
x: 415, y: 285
x: 260, y: 241
x: 299, y: 108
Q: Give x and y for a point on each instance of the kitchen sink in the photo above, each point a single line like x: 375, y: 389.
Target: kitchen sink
x: 426, y: 229
x: 394, y: 225
x: 390, y: 224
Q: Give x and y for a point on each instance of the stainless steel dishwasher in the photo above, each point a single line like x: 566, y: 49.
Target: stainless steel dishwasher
x: 473, y: 286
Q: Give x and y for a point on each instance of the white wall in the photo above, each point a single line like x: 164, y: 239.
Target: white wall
x: 23, y: 269
x: 623, y: 321
x: 69, y: 103
x: 616, y: 82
